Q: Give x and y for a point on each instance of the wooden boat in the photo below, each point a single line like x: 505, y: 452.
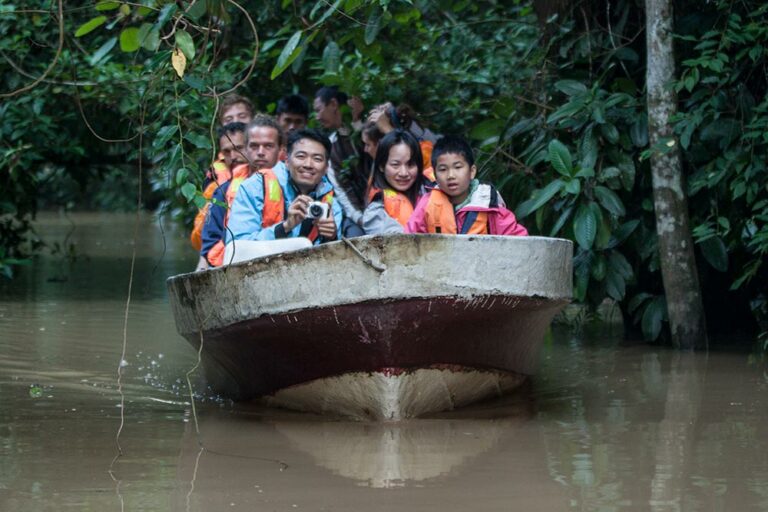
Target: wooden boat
x: 384, y: 327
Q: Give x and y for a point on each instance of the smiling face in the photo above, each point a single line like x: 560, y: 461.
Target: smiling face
x: 400, y: 171
x: 307, y: 164
x: 454, y: 175
x: 263, y: 147
x: 232, y: 148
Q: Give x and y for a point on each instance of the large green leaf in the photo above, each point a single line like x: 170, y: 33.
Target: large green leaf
x: 561, y: 221
x: 585, y: 227
x: 487, y: 129
x: 599, y: 268
x: 567, y: 111
x: 620, y: 265
x: 129, y: 39
x: 715, y: 253
x: 288, y: 55
x: 373, y: 26
x: 149, y: 37
x: 653, y: 316
x: 539, y: 199
x: 622, y: 233
x: 573, y: 186
x: 610, y: 201
x: 615, y: 286
x: 638, y: 132
x: 610, y: 133
x: 570, y: 87
x: 181, y: 176
x: 185, y: 43
x: 106, y: 6
x: 90, y: 25
x: 637, y: 301
x: 188, y: 190
x: 331, y: 59
x: 197, y: 10
x: 560, y: 158
x: 102, y: 51
x: 331, y: 9
x: 580, y: 285
x: 588, y: 149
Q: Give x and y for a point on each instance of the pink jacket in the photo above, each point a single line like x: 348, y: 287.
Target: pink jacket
x: 485, y: 199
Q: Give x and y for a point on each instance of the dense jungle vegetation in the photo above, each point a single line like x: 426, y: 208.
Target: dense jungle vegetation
x: 109, y: 104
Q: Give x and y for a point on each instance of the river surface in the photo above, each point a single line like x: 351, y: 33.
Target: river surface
x: 605, y: 425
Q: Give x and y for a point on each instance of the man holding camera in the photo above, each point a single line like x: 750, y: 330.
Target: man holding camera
x: 293, y: 202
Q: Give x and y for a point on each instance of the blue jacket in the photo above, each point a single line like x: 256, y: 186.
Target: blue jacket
x: 245, y: 217
x: 213, y: 229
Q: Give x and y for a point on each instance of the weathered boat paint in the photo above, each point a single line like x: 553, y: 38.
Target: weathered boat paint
x: 470, y: 304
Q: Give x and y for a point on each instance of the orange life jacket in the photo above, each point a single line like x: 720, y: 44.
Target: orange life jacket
x: 396, y: 204
x: 426, y: 153
x: 273, y: 212
x: 239, y: 175
x: 440, y: 217
x: 426, y: 156
x: 220, y: 174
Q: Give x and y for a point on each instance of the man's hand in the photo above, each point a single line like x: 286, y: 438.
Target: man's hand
x: 326, y: 228
x: 297, y: 211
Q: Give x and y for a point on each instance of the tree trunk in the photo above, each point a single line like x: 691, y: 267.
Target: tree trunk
x: 678, y: 265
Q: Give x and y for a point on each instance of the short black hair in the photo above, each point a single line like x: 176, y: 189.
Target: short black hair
x: 293, y: 104
x: 328, y: 93
x: 312, y: 134
x: 230, y: 128
x: 452, y: 144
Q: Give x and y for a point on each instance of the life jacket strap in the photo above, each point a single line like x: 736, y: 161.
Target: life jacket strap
x: 469, y: 221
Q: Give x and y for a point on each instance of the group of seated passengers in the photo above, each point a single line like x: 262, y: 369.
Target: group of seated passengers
x: 272, y: 168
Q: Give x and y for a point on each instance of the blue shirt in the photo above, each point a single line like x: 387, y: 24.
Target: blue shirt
x: 245, y: 217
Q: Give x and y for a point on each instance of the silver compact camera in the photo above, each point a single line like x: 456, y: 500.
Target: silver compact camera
x: 317, y: 210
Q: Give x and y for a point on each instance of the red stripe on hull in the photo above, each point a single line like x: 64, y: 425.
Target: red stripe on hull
x: 261, y: 356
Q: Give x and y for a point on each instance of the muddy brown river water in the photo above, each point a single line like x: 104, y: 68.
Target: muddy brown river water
x: 606, y: 424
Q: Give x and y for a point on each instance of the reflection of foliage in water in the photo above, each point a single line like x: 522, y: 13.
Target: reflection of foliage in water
x: 625, y: 425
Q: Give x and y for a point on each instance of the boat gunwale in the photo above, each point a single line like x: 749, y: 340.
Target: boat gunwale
x: 533, y: 267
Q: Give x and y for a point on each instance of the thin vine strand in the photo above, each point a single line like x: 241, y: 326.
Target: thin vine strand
x: 50, y: 67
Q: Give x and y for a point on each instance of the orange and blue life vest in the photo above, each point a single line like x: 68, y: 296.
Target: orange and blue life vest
x: 219, y: 174
x: 273, y: 212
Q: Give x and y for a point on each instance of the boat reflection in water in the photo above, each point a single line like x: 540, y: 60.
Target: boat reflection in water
x: 385, y: 455
x: 283, y: 458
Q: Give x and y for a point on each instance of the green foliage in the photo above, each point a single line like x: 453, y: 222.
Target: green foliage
x: 555, y: 108
x: 583, y: 146
x: 723, y: 127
